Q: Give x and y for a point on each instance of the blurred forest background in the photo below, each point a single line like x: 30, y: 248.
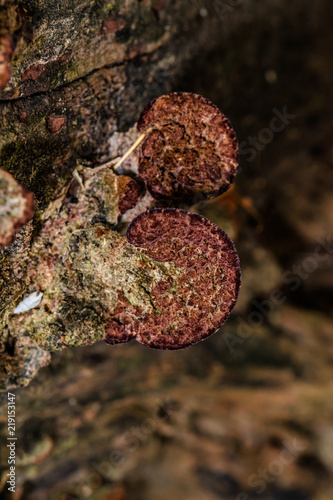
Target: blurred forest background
x: 248, y: 413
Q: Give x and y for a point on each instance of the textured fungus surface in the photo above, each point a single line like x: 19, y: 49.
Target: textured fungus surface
x: 191, y: 306
x: 128, y: 192
x: 192, y: 150
x: 5, y: 56
x: 16, y: 207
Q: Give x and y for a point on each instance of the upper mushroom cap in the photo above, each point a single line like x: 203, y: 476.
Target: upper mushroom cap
x: 195, y: 302
x: 191, y: 150
x: 16, y: 207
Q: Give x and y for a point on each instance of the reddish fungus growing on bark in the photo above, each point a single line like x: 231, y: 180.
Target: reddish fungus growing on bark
x: 190, y: 148
x: 129, y: 193
x: 198, y: 298
x: 16, y: 207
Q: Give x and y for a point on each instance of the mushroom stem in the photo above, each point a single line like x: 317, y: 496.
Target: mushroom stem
x: 132, y: 148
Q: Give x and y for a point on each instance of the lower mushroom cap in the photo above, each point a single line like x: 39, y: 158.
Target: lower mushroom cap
x: 194, y: 302
x: 192, y: 151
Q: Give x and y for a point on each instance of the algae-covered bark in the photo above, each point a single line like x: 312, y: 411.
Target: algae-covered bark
x: 81, y: 266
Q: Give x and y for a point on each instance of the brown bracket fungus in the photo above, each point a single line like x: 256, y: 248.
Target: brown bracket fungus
x: 190, y: 150
x: 195, y: 302
x: 16, y: 207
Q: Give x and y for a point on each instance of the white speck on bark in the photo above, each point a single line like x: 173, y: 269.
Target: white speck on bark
x: 33, y: 300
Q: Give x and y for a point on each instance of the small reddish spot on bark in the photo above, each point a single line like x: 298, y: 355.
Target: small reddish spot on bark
x: 33, y: 72
x: 128, y: 192
x: 55, y: 123
x: 112, y: 25
x: 65, y: 56
x: 23, y: 115
x: 100, y: 232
